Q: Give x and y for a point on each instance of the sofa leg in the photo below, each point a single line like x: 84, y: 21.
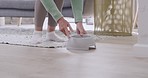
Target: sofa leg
x: 33, y: 20
x: 89, y: 21
x: 19, y: 22
x: 2, y: 21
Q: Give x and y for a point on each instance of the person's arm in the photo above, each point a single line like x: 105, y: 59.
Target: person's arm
x: 77, y: 6
x: 51, y: 7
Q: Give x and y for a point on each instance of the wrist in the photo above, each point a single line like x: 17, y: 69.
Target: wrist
x: 79, y: 23
x: 60, y: 19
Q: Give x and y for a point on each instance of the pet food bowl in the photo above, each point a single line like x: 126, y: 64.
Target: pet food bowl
x: 77, y: 42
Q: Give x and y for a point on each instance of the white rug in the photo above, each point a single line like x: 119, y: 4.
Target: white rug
x: 22, y: 36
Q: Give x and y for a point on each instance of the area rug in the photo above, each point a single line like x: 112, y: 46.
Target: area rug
x: 22, y: 37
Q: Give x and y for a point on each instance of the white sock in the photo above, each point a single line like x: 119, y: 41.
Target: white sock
x: 52, y: 36
x: 37, y: 37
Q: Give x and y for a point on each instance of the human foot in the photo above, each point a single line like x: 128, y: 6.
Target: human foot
x: 37, y: 37
x: 52, y: 36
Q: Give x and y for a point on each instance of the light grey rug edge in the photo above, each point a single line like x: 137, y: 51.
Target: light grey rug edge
x: 22, y: 37
x: 24, y: 40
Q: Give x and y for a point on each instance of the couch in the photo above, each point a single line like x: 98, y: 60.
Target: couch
x: 25, y: 8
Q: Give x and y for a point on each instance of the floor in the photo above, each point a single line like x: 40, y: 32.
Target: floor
x: 111, y: 59
x: 107, y: 61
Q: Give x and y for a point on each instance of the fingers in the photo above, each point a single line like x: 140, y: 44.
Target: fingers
x: 67, y: 32
x: 63, y: 31
x: 78, y: 32
x: 71, y: 30
x: 65, y: 27
x: 81, y: 31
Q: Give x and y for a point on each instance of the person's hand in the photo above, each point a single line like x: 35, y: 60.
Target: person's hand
x: 64, y: 27
x: 80, y: 29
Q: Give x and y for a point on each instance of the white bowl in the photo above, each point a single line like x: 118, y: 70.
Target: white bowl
x: 77, y: 42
